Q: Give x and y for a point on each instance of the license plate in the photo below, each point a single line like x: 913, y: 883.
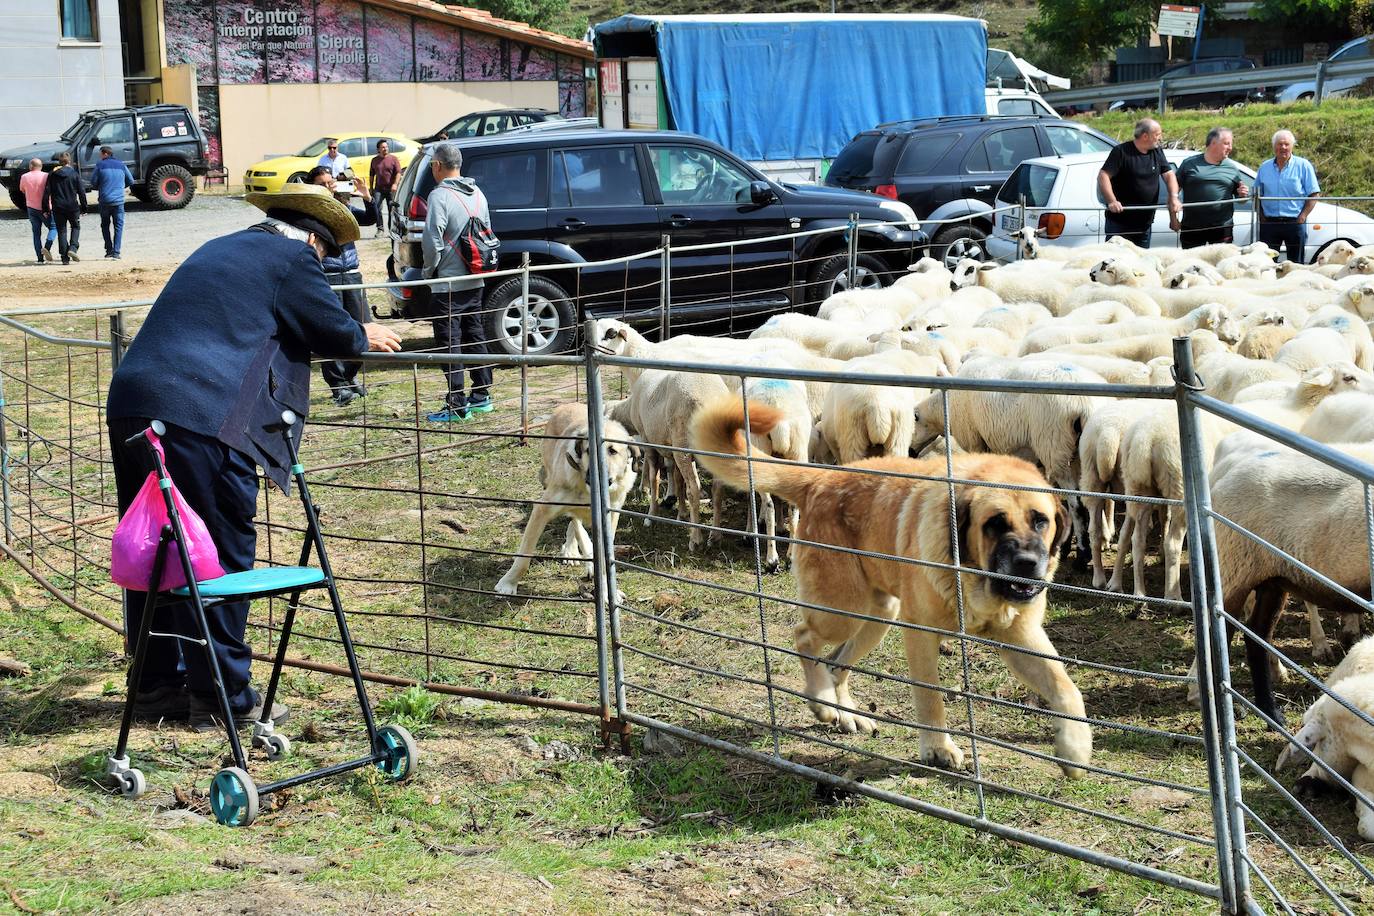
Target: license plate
x: 5, y: 173
x: 1011, y: 221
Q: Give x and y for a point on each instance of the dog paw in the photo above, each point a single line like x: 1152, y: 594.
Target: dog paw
x: 823, y: 713
x: 1074, y: 743
x: 771, y: 566
x: 943, y: 754
x: 505, y: 588
x: 851, y: 723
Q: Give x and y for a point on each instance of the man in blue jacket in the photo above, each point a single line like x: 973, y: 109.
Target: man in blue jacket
x: 341, y: 375
x: 224, y: 350
x: 110, y: 177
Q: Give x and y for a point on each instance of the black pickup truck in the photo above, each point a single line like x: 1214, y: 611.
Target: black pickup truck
x: 162, y: 145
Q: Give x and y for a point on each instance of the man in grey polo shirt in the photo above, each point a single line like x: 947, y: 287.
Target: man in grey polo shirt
x: 1209, y: 182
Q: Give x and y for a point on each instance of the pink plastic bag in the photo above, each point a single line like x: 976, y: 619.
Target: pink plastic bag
x: 139, y: 533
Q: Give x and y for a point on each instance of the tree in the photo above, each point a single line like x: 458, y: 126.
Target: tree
x: 551, y: 15
x: 1078, y: 32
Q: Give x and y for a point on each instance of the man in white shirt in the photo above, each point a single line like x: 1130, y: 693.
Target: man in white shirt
x: 336, y: 160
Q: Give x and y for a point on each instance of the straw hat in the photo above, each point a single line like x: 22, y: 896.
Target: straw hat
x: 305, y: 204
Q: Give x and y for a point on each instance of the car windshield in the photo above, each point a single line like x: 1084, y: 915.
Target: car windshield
x: 71, y: 132
x: 868, y: 156
x: 1034, y: 182
x: 315, y: 149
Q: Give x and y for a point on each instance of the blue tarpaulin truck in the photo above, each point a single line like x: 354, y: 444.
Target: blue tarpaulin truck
x: 787, y: 92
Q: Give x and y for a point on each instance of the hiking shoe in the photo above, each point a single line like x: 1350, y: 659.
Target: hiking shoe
x: 449, y: 415
x: 47, y: 255
x: 205, y: 715
x: 169, y: 702
x: 73, y: 256
x: 345, y: 396
x: 483, y: 406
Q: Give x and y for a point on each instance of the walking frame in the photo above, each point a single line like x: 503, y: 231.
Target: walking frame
x: 234, y: 797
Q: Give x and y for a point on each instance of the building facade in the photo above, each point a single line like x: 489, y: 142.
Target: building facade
x: 270, y: 76
x: 58, y: 58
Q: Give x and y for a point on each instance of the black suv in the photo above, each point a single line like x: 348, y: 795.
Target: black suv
x: 951, y: 168
x: 585, y: 197
x: 161, y: 144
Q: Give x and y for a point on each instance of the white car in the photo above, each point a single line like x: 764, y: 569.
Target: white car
x: 1063, y: 202
x: 1334, y: 86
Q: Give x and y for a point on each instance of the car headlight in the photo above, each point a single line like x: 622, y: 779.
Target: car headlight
x: 13, y: 163
x: 899, y: 212
x: 264, y: 174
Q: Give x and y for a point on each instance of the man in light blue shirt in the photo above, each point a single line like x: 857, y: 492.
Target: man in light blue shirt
x: 1286, y: 188
x: 110, y: 177
x: 337, y: 161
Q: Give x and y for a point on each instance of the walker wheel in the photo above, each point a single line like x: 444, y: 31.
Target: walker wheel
x: 234, y: 797
x: 131, y: 783
x: 401, y: 754
x: 276, y: 746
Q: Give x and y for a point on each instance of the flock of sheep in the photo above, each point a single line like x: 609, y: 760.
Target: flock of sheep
x: 1289, y: 343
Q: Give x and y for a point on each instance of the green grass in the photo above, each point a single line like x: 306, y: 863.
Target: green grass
x: 1333, y: 135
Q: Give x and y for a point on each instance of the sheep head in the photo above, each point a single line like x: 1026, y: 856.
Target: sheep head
x: 1333, y: 378
x: 1102, y: 269
x: 1361, y: 299
x: 1027, y: 244
x: 612, y: 336
x: 1216, y: 318
x: 965, y: 273
x: 1338, y: 252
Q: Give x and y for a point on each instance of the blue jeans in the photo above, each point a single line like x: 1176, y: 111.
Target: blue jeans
x: 1131, y: 228
x: 458, y: 329
x: 112, y: 213
x: 1291, y: 236
x: 38, y: 221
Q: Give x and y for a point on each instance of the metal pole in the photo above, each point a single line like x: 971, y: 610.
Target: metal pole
x: 524, y: 347
x: 1197, y: 37
x: 117, y: 340
x: 1021, y: 204
x: 608, y: 658
x: 1321, y: 83
x: 852, y: 237
x: 4, y: 461
x: 1162, y: 98
x: 665, y: 289
x: 1213, y: 661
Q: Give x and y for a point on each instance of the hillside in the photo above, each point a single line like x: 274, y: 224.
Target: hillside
x: 1334, y: 136
x: 1006, y: 19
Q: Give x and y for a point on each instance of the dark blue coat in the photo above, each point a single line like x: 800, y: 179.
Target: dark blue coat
x: 226, y: 346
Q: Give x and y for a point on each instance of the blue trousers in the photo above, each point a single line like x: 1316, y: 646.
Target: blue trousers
x: 37, y: 221
x: 1291, y: 237
x: 1132, y: 228
x: 112, y: 214
x: 221, y: 485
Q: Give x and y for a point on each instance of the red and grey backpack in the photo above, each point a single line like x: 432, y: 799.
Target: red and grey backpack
x: 477, y: 245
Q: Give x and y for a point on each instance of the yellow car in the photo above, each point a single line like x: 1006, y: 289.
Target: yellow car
x: 272, y: 174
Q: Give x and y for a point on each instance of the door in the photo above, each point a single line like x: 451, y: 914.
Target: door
x: 116, y: 133
x: 991, y: 160
x: 706, y: 199
x: 598, y: 207
x: 921, y: 184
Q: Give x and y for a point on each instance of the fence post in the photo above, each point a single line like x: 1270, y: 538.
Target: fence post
x: 1321, y: 83
x: 608, y: 658
x: 524, y: 347
x: 1163, y: 98
x: 117, y: 340
x: 1254, y: 218
x: 1213, y: 661
x: 851, y: 236
x: 665, y: 289
x: 4, y: 463
x: 1022, y: 206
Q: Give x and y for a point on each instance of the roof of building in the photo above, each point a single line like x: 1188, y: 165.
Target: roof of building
x: 483, y: 21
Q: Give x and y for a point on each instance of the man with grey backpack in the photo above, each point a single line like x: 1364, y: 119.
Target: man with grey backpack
x: 458, y: 242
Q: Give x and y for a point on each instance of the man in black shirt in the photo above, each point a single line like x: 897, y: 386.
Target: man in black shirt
x: 1130, y: 178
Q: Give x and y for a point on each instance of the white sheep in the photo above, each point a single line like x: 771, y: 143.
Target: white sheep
x: 1338, y: 252
x: 789, y: 439
x: 1045, y: 287
x: 863, y: 421
x: 1344, y: 417
x: 1314, y: 347
x: 1227, y: 374
x: 1359, y: 299
x: 870, y: 304
x: 1264, y: 341
x: 1355, y: 332
x: 1290, y: 404
x: 1013, y: 320
x: 1145, y: 347
x: 1212, y: 317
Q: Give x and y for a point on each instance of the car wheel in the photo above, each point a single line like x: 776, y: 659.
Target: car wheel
x: 170, y: 187
x: 17, y: 198
x: 956, y: 243
x: 296, y: 178
x: 831, y: 276
x: 552, y: 322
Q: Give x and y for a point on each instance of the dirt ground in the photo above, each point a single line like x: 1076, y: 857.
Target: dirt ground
x: 154, y: 243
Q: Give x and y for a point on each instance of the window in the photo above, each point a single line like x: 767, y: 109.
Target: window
x: 463, y: 127
x: 510, y: 181
x: 353, y: 148
x: 1034, y: 182
x: 160, y: 126
x: 79, y: 20
x: 115, y: 130
x: 1068, y: 141
x: 1004, y: 150
x: 394, y: 145
x: 603, y: 176
x: 1356, y: 50
x: 922, y: 153
x: 1016, y: 107
x: 495, y: 124
x: 689, y: 174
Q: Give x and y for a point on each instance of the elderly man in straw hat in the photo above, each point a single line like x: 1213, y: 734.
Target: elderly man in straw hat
x: 225, y: 348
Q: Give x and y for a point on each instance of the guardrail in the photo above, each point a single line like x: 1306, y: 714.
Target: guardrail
x: 1211, y: 82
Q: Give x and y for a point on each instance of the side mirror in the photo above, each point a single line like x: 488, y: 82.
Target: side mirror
x: 761, y: 192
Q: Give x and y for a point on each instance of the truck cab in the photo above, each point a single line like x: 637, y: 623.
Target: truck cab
x: 162, y: 145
